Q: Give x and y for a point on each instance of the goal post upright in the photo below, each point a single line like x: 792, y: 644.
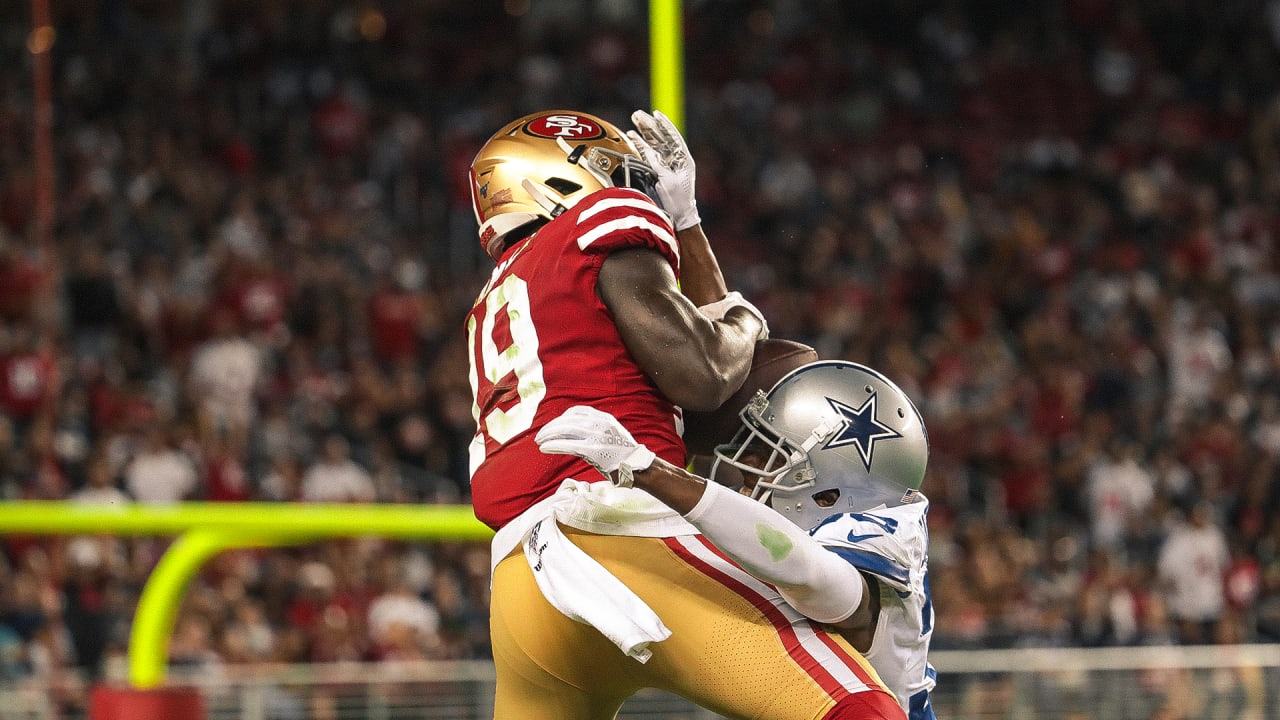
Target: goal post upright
x: 666, y: 58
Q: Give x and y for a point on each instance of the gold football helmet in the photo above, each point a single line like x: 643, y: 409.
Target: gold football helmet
x: 542, y: 164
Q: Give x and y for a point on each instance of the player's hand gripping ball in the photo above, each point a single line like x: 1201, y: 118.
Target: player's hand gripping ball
x: 773, y: 358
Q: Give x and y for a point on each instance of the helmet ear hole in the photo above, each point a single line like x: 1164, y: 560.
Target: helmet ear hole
x: 827, y: 498
x: 562, y: 186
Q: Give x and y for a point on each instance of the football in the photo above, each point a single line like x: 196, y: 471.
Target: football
x: 772, y: 359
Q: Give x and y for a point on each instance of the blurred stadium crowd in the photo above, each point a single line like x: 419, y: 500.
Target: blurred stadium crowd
x: 1054, y: 224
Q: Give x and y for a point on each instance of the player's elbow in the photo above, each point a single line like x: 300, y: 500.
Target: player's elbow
x: 702, y: 389
x: 830, y: 591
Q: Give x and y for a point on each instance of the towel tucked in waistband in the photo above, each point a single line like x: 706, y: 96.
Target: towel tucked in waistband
x: 584, y: 590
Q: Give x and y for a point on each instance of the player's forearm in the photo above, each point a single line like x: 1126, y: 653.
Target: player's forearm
x: 767, y: 545
x: 676, y: 487
x: 700, y: 277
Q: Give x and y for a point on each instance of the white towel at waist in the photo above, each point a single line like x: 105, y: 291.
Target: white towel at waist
x: 574, y: 582
x: 585, y: 591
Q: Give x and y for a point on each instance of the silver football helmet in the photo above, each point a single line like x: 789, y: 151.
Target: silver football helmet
x: 830, y: 437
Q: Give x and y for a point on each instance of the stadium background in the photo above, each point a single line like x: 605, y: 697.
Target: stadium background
x: 1055, y: 223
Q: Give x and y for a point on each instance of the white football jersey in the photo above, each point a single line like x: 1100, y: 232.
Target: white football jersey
x: 893, y: 545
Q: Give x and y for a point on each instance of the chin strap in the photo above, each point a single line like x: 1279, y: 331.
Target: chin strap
x: 541, y: 197
x: 819, y: 434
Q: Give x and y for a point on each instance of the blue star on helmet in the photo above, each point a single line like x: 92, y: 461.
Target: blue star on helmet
x: 860, y: 428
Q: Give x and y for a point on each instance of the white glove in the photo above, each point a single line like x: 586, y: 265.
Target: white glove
x: 716, y: 311
x: 598, y: 438
x: 662, y: 146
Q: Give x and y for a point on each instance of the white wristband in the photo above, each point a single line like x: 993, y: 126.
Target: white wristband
x: 716, y: 311
x: 639, y: 459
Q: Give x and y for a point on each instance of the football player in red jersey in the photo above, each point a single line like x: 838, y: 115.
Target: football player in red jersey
x: 600, y: 590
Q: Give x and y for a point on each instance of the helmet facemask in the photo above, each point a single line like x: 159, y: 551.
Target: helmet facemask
x: 612, y: 168
x: 780, y: 468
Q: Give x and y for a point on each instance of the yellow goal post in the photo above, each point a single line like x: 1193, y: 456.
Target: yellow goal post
x: 203, y: 530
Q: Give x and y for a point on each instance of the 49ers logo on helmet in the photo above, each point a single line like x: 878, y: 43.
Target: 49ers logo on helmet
x: 569, y: 127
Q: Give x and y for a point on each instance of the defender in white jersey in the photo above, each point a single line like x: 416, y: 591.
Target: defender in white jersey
x: 835, y: 454
x: 891, y: 544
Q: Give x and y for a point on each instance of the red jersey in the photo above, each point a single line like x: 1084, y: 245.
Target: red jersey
x: 541, y: 340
